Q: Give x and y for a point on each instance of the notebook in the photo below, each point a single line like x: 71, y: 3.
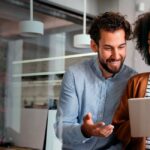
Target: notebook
x: 139, y: 114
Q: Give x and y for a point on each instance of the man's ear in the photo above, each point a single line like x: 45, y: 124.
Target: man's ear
x: 94, y: 46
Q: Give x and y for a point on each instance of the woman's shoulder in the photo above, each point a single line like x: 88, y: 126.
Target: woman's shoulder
x: 141, y: 76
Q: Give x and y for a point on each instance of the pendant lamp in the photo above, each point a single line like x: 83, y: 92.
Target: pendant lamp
x: 31, y: 28
x: 82, y: 40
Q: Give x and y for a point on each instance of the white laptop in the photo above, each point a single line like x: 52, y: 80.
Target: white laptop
x: 139, y: 114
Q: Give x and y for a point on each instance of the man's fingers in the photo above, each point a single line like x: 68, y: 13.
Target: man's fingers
x: 98, y: 129
x: 88, y: 116
x: 107, y: 130
x: 87, y: 125
x: 103, y: 126
x: 100, y: 124
x: 103, y: 130
x: 109, y: 127
x: 107, y: 133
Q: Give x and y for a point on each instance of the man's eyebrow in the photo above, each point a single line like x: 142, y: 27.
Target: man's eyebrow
x: 123, y: 44
x: 107, y: 45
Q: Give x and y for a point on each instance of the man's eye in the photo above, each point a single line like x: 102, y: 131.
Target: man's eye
x: 122, y: 47
x: 107, y: 48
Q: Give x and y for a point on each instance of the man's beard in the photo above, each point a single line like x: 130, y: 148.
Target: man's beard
x: 105, y: 65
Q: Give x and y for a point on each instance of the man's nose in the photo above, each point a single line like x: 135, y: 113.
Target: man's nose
x: 115, y: 54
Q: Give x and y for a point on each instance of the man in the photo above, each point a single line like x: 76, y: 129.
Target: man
x: 91, y: 90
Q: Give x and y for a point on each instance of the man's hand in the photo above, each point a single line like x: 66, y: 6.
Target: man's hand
x: 89, y: 129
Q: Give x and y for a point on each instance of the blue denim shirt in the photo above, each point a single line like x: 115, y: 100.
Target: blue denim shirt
x: 84, y: 90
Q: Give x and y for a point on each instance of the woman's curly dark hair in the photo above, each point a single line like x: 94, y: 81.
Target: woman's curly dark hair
x: 140, y: 34
x: 109, y: 21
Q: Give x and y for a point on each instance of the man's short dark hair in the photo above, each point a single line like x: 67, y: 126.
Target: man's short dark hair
x: 109, y: 21
x: 141, y: 31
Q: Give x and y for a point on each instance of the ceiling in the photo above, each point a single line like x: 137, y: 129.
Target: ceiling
x: 14, y: 11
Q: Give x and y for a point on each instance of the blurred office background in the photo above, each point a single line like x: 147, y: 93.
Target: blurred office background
x: 32, y: 68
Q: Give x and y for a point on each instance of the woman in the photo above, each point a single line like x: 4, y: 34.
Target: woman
x: 137, y: 87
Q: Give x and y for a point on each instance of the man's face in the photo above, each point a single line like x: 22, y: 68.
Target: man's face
x: 111, y: 51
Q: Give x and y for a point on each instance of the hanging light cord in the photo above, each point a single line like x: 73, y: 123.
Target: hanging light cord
x: 84, y: 18
x: 31, y: 9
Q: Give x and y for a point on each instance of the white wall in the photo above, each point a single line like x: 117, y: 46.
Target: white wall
x: 108, y: 5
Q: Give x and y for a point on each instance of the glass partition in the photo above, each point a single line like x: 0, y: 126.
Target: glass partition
x: 32, y: 69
